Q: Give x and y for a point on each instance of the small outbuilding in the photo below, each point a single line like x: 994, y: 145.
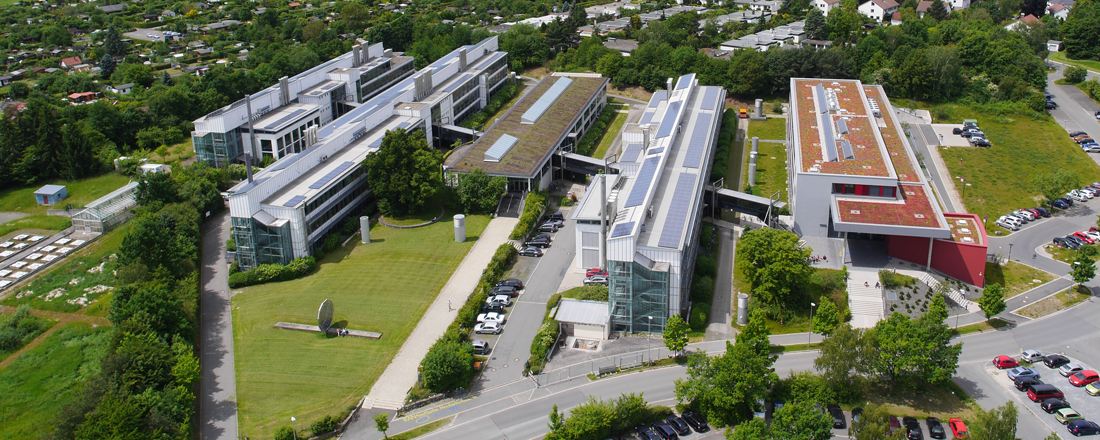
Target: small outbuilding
x: 148, y: 168
x: 583, y: 319
x: 50, y: 194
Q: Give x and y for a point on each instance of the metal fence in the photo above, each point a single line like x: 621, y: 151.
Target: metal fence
x: 602, y: 366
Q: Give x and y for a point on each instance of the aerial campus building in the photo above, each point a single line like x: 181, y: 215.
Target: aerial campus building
x: 285, y: 210
x: 853, y: 175
x: 547, y: 120
x: 652, y: 209
x: 272, y: 123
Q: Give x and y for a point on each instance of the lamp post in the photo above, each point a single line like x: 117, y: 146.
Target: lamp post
x: 294, y: 426
x: 649, y: 334
x: 1009, y: 253
x: 810, y: 334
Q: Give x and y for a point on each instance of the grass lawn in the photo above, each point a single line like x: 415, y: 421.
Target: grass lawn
x: 612, y: 132
x: 53, y: 223
x: 943, y: 402
x: 771, y: 128
x: 978, y: 327
x: 43, y: 380
x: 798, y: 319
x: 1026, y: 146
x: 30, y: 327
x: 771, y: 169
x: 735, y: 150
x: 385, y: 286
x: 422, y: 430
x: 172, y: 154
x: 75, y: 267
x: 1088, y: 64
x: 1059, y: 301
x: 80, y: 193
x: 1015, y: 277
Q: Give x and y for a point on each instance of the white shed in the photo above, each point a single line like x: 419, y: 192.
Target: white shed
x: 154, y: 168
x: 583, y: 319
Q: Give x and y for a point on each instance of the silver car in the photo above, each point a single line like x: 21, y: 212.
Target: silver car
x: 1070, y: 368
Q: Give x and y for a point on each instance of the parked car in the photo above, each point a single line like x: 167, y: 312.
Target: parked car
x: 492, y: 307
x: 1089, y: 191
x: 1070, y: 368
x: 696, y: 421
x: 1031, y: 355
x: 480, y: 347
x: 1076, y: 241
x: 958, y: 427
x: 1004, y: 361
x: 504, y: 290
x: 1043, y: 391
x: 514, y: 282
x: 1093, y: 388
x: 1038, y: 213
x: 1079, y: 136
x: 912, y: 428
x: 1053, y: 404
x: 1094, y: 235
x: 491, y: 317
x: 1022, y: 372
x: 1084, y: 237
x: 593, y: 271
x: 537, y: 242
x: 598, y: 279
x: 935, y: 428
x: 557, y: 216
x: 1055, y: 360
x: 1022, y: 383
x: 678, y: 424
x: 1097, y: 115
x: 1067, y: 415
x: 646, y: 433
x: 548, y: 227
x: 1060, y: 242
x: 1074, y: 134
x: 1008, y: 223
x: 1091, y: 147
x: 665, y: 431
x: 956, y: 131
x: 488, y: 328
x: 971, y: 132
x: 1043, y: 212
x: 1026, y: 214
x: 1083, y: 427
x: 980, y: 142
x: 1051, y: 105
x: 838, y: 416
x: 554, y: 221
x: 530, y: 251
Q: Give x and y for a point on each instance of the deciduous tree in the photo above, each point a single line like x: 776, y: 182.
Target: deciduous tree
x: 1084, y: 268
x: 1081, y: 31
x: 478, y: 192
x: 800, y: 420
x: 382, y: 423
x: 754, y: 429
x: 826, y: 317
x: 815, y: 25
x: 676, y: 334
x: 992, y: 300
x: 996, y: 424
x: 404, y: 173
x: 774, y: 263
x: 447, y: 366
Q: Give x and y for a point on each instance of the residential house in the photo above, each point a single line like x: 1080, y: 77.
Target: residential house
x: 622, y: 46
x: 1027, y: 20
x: 113, y: 9
x: 879, y: 10
x: 167, y: 14
x: 122, y: 89
x: 82, y: 97
x: 1058, y: 10
x: 71, y: 62
x: 923, y: 7
x: 612, y: 9
x: 817, y: 44
x: 1054, y: 45
x: 826, y: 5
x: 895, y: 19
x: 958, y: 4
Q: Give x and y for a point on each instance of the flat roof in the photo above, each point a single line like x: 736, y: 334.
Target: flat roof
x: 869, y: 154
x: 913, y: 208
x: 900, y: 156
x: 582, y: 312
x: 535, y: 141
x: 50, y: 189
x: 282, y: 117
x: 965, y: 229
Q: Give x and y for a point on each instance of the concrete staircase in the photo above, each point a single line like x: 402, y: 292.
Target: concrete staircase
x: 381, y: 403
x: 953, y: 294
x: 865, y: 301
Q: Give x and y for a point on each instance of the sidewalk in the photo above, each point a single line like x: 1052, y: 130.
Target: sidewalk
x: 391, y: 387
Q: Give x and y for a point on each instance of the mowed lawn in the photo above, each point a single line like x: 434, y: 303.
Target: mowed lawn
x: 613, y: 130
x: 38, y: 385
x: 1016, y: 278
x: 771, y: 169
x: 80, y: 193
x: 385, y: 286
x: 771, y: 128
x: 1004, y: 177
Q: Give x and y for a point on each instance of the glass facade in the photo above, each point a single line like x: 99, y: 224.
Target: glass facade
x: 638, y: 298
x: 258, y: 244
x: 217, y: 149
x: 370, y: 82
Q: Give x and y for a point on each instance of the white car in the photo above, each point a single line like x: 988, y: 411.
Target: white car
x: 503, y: 299
x: 1070, y: 368
x: 490, y: 328
x: 1089, y: 192
x: 595, y: 279
x: 1095, y: 235
x: 1077, y: 196
x: 1009, y: 223
x: 491, y: 317
x: 1030, y: 215
x: 1032, y: 356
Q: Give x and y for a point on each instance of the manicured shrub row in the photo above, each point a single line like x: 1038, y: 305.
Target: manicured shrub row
x: 591, y: 138
x: 533, y: 208
x: 541, y: 345
x: 267, y: 273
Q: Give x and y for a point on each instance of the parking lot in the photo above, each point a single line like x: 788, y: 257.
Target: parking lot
x: 1030, y: 412
x: 947, y: 138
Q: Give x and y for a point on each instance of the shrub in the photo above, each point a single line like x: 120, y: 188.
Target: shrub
x: 587, y: 293
x: 551, y: 303
x: 702, y: 289
x: 266, y: 273
x: 891, y: 279
x: 705, y: 265
x: 1074, y: 74
x: 541, y: 345
x: 20, y: 328
x: 285, y: 433
x: 325, y: 425
x: 700, y: 315
x: 591, y: 139
x: 533, y: 208
x: 448, y: 365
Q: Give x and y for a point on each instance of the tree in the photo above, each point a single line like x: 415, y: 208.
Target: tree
x: 725, y: 388
x: 404, y: 173
x: 755, y: 429
x: 1037, y: 8
x: 478, y: 192
x: 911, y: 352
x: 996, y: 424
x: 676, y: 334
x: 842, y: 359
x: 938, y: 10
x: 815, y: 25
x: 992, y: 300
x: 1074, y: 74
x: 555, y: 417
x: 447, y: 366
x: 1056, y: 184
x: 592, y: 419
x: 827, y: 317
x: 1084, y: 268
x: 382, y: 422
x: 526, y: 46
x: 1081, y: 31
x: 799, y: 420
x: 775, y: 264
x: 874, y: 424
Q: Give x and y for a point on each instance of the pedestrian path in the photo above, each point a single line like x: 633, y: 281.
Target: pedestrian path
x: 391, y: 387
x: 865, y: 297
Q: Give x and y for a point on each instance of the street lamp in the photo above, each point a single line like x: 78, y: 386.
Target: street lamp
x: 294, y: 426
x: 810, y: 334
x: 649, y: 333
x: 1009, y: 252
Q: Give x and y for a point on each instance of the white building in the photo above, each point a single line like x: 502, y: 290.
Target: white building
x: 104, y: 213
x: 788, y: 34
x: 285, y: 210
x: 613, y: 9
x: 653, y: 207
x: 826, y: 5
x: 879, y: 10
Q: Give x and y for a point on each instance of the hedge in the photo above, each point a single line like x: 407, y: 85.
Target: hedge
x: 700, y: 316
x: 533, y: 208
x: 541, y: 345
x: 266, y: 273
x: 591, y: 139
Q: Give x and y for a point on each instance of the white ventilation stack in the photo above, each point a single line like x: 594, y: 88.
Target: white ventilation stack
x: 364, y: 229
x: 759, y: 108
x: 742, y: 309
x: 460, y: 228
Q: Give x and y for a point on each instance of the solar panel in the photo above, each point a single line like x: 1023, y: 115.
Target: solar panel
x: 698, y: 143
x: 622, y: 229
x: 285, y: 119
x: 543, y: 103
x: 672, y: 114
x: 682, y: 196
x: 294, y: 201
x: 842, y: 126
x: 710, y: 98
x: 825, y: 123
x: 847, y: 148
x: 324, y: 180
x: 684, y: 81
x: 499, y: 148
x: 631, y: 152
x: 643, y: 181
x: 647, y: 117
x: 286, y: 161
x: 657, y: 150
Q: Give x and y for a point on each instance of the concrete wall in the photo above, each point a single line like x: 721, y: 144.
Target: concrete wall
x: 961, y: 261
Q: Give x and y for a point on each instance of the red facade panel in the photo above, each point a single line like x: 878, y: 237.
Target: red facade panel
x: 964, y: 262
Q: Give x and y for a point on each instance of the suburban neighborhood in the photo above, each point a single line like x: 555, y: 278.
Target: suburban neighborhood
x: 741, y: 219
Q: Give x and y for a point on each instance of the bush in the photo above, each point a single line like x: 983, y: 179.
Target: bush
x: 587, y: 293
x: 702, y: 289
x: 551, y: 303
x: 533, y: 208
x: 266, y: 273
x: 541, y: 345
x: 285, y: 433
x: 324, y: 426
x: 20, y: 328
x: 448, y: 365
x: 1074, y: 74
x: 591, y: 139
x: 891, y: 280
x: 706, y: 265
x: 700, y: 316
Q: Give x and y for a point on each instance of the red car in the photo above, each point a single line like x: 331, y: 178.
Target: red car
x: 595, y: 271
x: 1083, y: 377
x: 958, y: 428
x: 1003, y: 362
x: 1084, y: 237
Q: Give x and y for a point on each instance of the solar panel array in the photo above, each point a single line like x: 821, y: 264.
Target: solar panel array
x: 710, y: 98
x: 631, y: 152
x: 622, y: 229
x: 825, y: 123
x: 684, y: 81
x: 657, y: 150
x: 286, y: 161
x: 698, y: 144
x: 499, y: 148
x: 672, y: 115
x: 643, y: 181
x: 677, y: 216
x: 324, y: 180
x: 286, y: 118
x: 846, y: 147
x: 543, y: 103
x: 294, y: 201
x: 842, y: 126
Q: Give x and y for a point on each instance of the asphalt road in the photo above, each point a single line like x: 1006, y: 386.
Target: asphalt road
x: 1075, y: 110
x: 218, y: 384
x: 922, y: 138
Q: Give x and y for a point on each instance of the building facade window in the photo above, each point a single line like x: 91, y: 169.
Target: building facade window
x: 865, y: 190
x: 637, y: 298
x: 217, y: 149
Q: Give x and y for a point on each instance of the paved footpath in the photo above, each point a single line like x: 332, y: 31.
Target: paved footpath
x: 218, y: 383
x: 391, y: 387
